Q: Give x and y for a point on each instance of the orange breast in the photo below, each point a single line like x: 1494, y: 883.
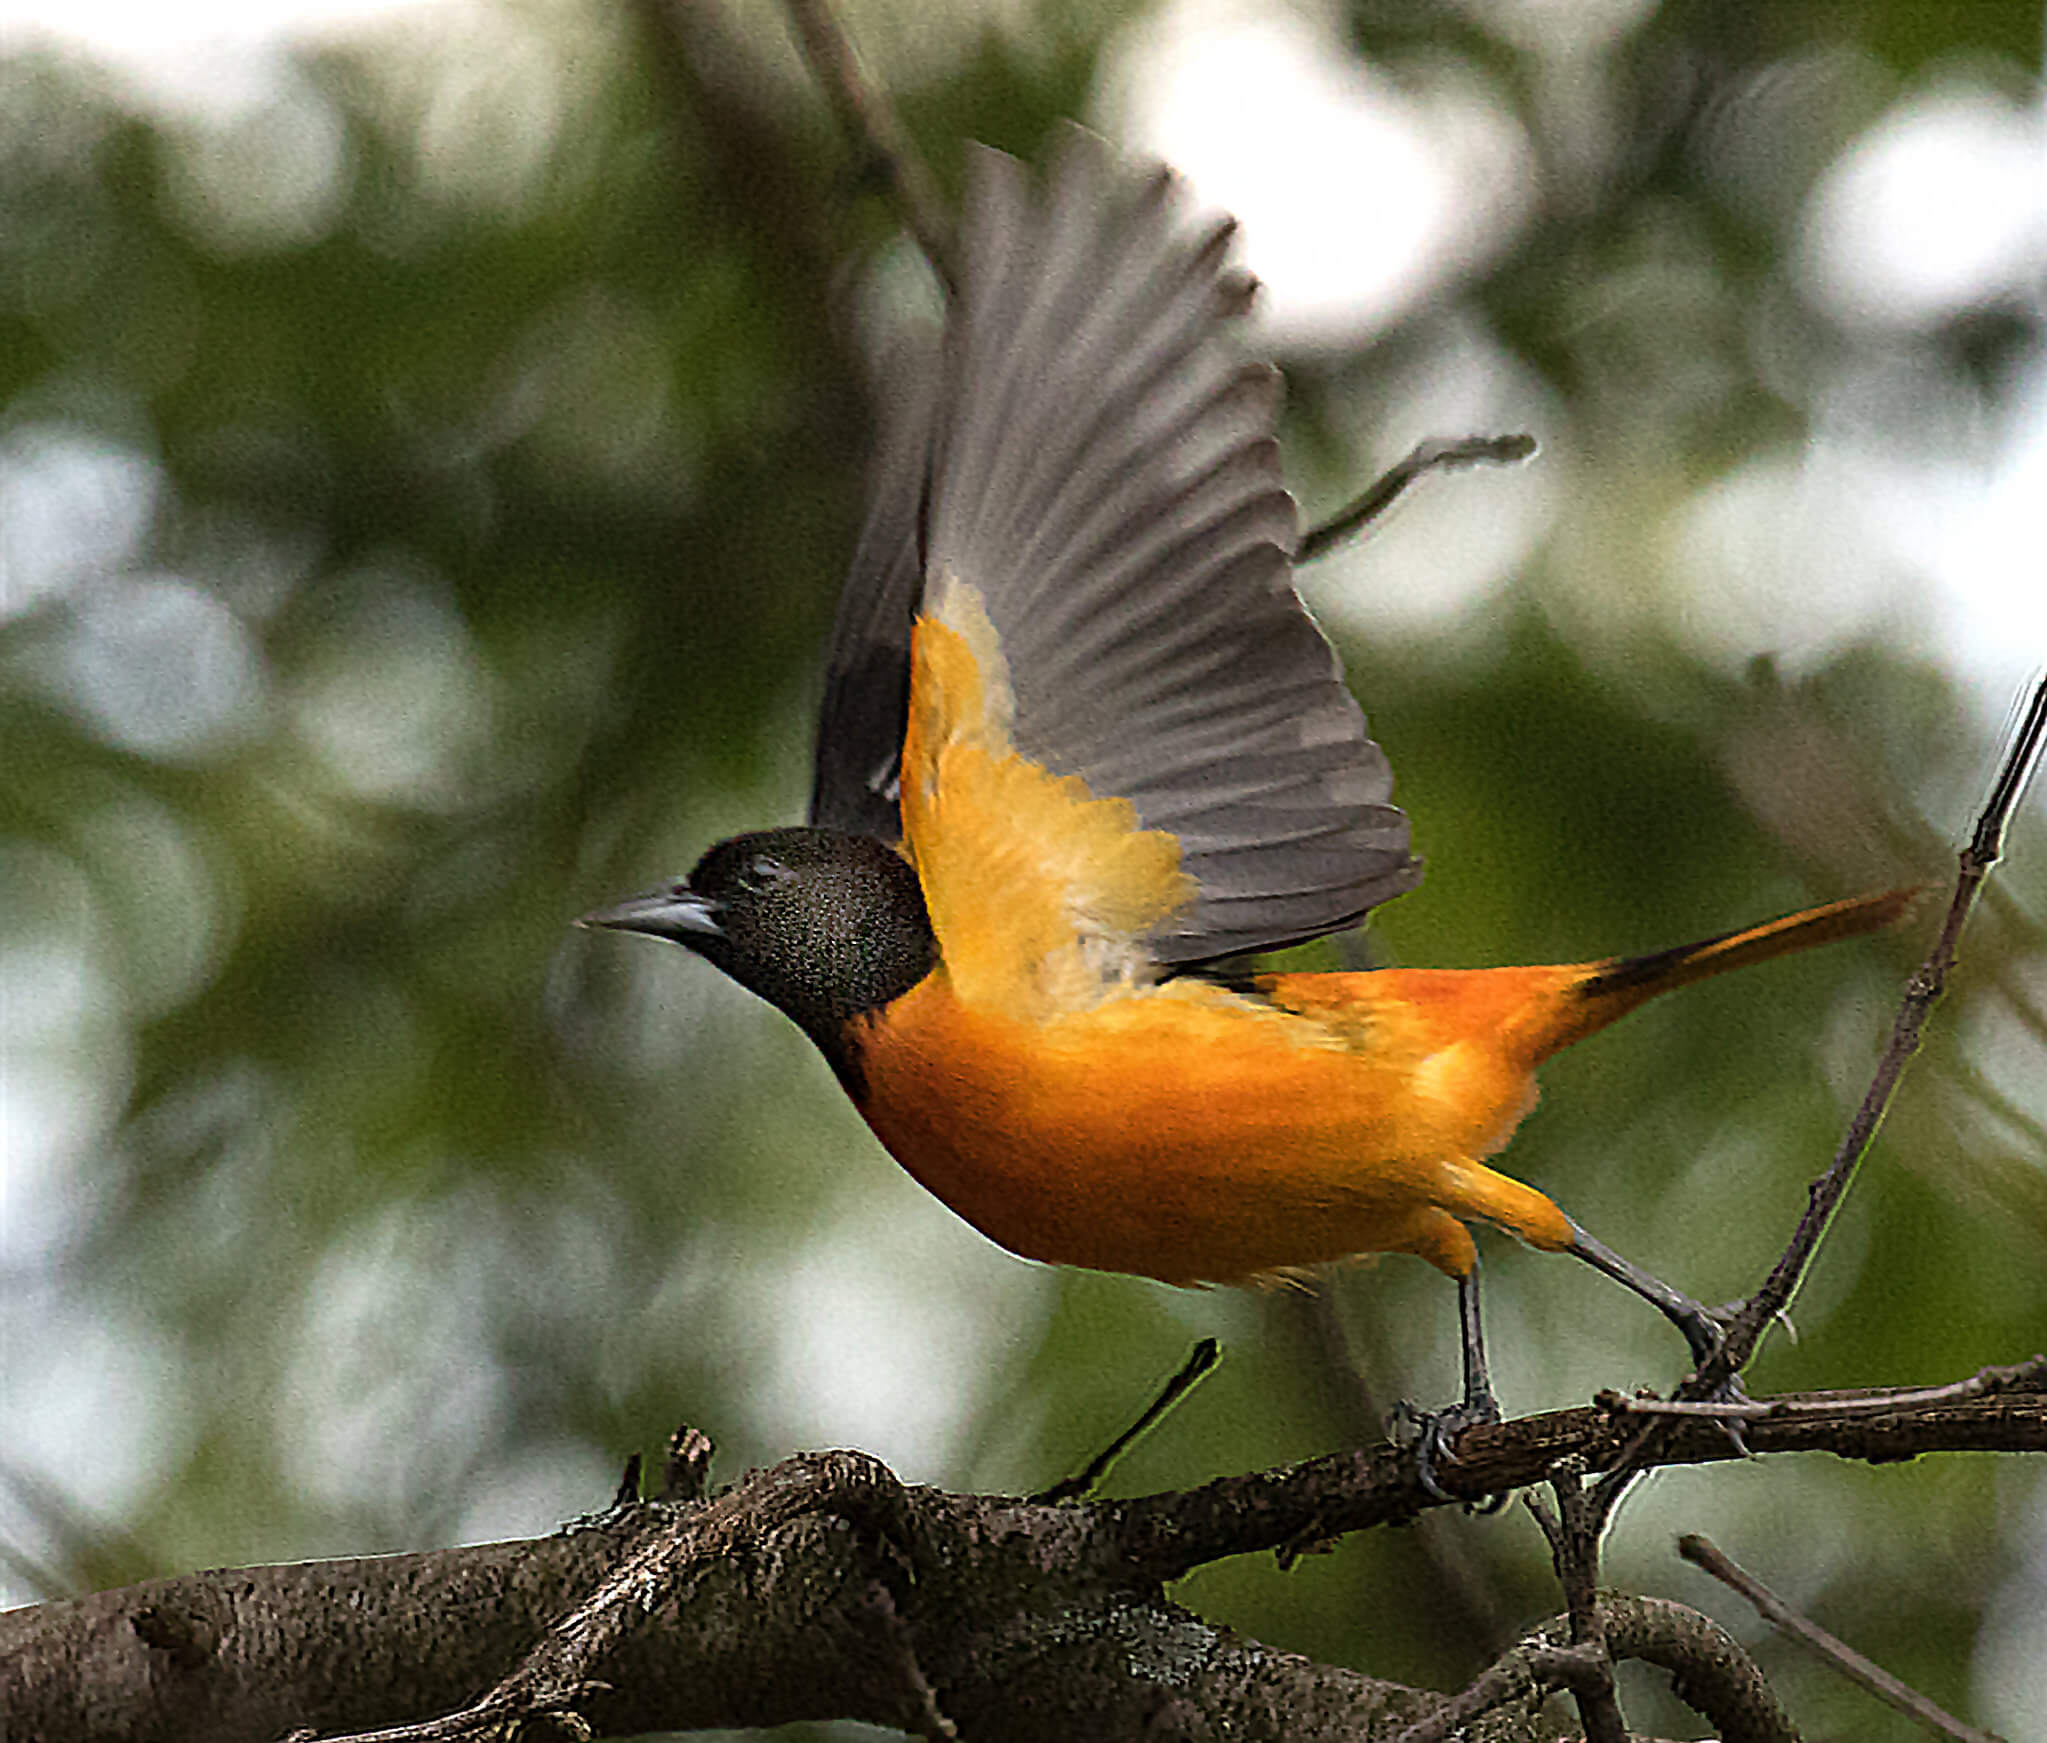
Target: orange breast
x: 1078, y: 1115
x: 1191, y: 1134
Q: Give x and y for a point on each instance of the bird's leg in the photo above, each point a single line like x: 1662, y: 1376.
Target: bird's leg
x: 1479, y: 1403
x: 1432, y: 1447
x: 1701, y: 1330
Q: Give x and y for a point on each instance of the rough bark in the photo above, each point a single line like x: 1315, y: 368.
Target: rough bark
x: 825, y: 1588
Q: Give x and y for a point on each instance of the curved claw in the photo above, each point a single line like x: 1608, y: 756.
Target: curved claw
x: 1434, y: 1433
x: 1732, y: 1391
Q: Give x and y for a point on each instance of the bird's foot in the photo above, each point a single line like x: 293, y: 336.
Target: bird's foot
x: 1729, y: 1391
x: 1432, y: 1435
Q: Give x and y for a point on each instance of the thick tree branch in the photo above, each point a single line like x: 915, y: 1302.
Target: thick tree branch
x: 757, y: 1608
x: 824, y: 1588
x: 1168, y: 1535
x: 1710, y: 1672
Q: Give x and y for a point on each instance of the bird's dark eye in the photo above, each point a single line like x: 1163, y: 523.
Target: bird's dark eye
x: 762, y: 873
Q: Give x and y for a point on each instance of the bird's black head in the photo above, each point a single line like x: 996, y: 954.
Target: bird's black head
x: 821, y: 924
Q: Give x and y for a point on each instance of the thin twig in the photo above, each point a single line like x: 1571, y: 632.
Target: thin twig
x: 1977, y: 1385
x: 1381, y: 493
x: 1843, y: 1657
x: 1823, y: 1197
x: 686, y: 1472
x: 628, y: 1494
x: 1200, y: 1363
x: 870, y: 121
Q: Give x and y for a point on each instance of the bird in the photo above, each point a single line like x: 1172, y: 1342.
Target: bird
x: 1083, y: 757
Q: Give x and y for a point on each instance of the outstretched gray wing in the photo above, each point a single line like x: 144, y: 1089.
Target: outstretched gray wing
x: 1102, y: 469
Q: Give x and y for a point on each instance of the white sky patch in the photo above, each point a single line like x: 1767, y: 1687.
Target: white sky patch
x: 1941, y: 206
x: 2010, y: 1669
x: 1987, y: 567
x: 397, y: 703
x: 1938, y: 209
x: 209, y: 58
x: 1360, y: 195
x: 891, y: 1332
x: 91, y: 1417
x: 1356, y: 193
x: 1559, y: 28
x: 72, y: 505
x: 1790, y: 513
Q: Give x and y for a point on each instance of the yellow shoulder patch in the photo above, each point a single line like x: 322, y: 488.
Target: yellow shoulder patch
x: 1037, y: 890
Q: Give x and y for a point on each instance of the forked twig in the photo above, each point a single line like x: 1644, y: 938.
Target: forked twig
x: 1985, y: 846
x: 1823, y: 1198
x: 1573, y: 1530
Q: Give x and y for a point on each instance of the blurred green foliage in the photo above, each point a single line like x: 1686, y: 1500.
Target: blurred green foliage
x: 424, y: 498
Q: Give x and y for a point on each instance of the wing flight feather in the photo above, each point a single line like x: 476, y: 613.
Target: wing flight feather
x: 1094, y: 458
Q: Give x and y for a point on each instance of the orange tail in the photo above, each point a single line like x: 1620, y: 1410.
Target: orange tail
x: 1615, y: 987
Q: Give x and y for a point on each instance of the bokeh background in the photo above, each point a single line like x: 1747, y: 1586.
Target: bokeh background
x: 428, y: 448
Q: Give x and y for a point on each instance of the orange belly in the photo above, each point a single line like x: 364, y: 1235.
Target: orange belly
x: 1194, y: 1135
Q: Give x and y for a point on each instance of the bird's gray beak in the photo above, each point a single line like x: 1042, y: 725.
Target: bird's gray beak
x: 676, y: 913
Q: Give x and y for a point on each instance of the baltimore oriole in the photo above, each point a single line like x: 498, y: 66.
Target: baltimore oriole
x: 1080, y: 744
